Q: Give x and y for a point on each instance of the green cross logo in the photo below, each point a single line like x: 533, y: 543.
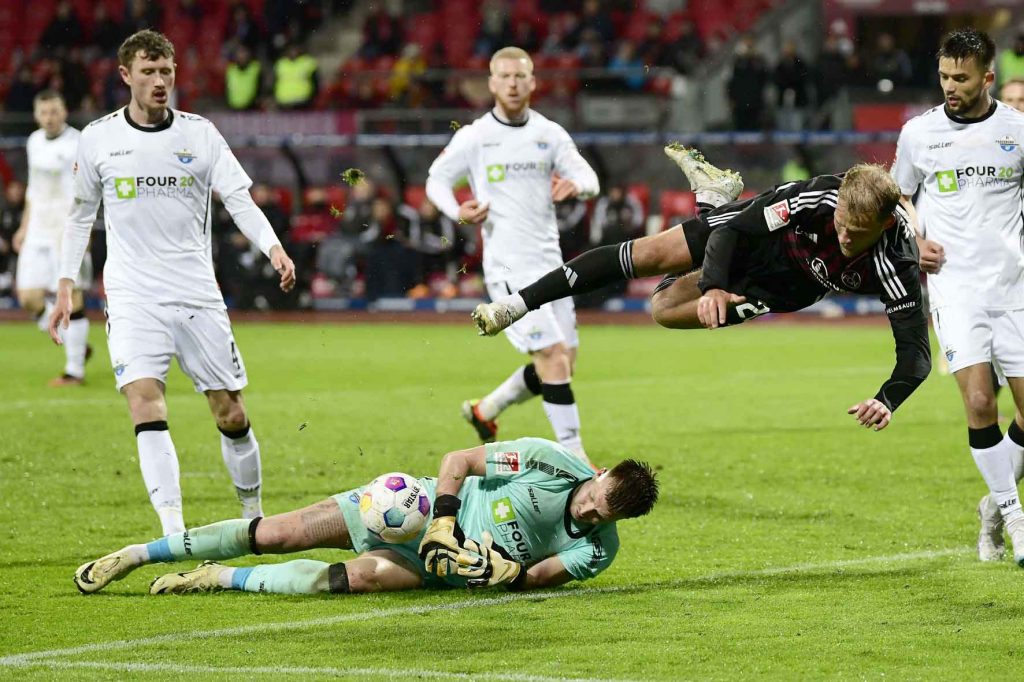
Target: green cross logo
x: 125, y: 188
x: 947, y: 181
x: 502, y: 510
x: 495, y: 173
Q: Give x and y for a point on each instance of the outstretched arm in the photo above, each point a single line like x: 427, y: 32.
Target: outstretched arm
x: 550, y: 572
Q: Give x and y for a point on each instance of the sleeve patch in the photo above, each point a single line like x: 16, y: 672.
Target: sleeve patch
x: 777, y: 215
x: 507, y: 463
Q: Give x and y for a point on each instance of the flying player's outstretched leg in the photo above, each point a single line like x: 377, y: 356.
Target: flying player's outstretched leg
x: 321, y: 525
x: 664, y: 253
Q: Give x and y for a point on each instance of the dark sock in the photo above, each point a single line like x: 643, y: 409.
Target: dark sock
x: 1015, y: 433
x: 589, y: 271
x: 532, y: 379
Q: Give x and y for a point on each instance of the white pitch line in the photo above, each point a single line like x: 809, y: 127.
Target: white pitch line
x: 21, y: 660
x: 389, y: 673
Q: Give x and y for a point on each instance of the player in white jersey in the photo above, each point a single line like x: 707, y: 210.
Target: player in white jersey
x: 519, y: 163
x: 51, y: 154
x: 155, y: 170
x: 964, y: 161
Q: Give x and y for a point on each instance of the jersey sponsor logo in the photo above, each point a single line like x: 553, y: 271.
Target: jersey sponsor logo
x: 154, y: 186
x: 1007, y: 143
x: 499, y: 172
x: 851, y: 279
x: 121, y: 152
x: 502, y: 511
x: 820, y: 271
x: 955, y: 179
x: 185, y: 156
x: 940, y: 145
x: 904, y: 305
x: 777, y: 215
x: 533, y: 499
x: 507, y: 463
x: 495, y: 173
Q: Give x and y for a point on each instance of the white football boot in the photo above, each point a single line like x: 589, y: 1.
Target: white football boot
x: 1016, y: 531
x: 95, y: 575
x: 203, y: 578
x: 711, y: 184
x: 991, y: 546
x: 491, y: 318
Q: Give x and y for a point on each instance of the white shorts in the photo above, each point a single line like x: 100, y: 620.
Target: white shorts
x: 970, y: 336
x: 552, y: 323
x: 143, y: 338
x: 39, y: 265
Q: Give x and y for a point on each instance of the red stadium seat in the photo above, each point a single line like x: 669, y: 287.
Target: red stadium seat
x: 676, y: 205
x: 283, y: 197
x: 415, y: 195
x: 643, y: 195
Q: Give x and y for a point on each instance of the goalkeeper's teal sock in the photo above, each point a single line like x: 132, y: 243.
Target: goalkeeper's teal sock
x: 221, y: 540
x: 301, y: 576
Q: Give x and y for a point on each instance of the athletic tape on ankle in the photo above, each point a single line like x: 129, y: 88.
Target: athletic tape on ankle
x: 337, y: 579
x: 558, y: 394
x: 150, y: 426
x: 252, y: 535
x: 234, y: 435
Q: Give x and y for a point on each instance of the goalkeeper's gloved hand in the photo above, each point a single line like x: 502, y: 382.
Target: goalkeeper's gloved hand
x: 499, y: 567
x: 442, y: 549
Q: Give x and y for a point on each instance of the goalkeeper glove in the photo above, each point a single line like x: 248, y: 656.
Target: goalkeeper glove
x: 499, y: 567
x: 442, y: 549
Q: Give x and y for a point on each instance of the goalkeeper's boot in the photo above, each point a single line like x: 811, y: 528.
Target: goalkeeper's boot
x: 491, y: 318
x: 203, y: 578
x: 487, y: 429
x: 990, y: 538
x: 95, y: 575
x: 711, y: 184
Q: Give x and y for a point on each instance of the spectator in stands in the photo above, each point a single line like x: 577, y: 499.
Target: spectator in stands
x: 241, y: 30
x: 594, y: 17
x: 242, y: 80
x: 407, y: 67
x: 64, y: 30
x: 190, y: 10
x: 833, y: 69
x: 618, y: 217
x: 142, y: 15
x: 338, y: 254
x: 107, y: 34
x: 72, y: 78
x: 390, y: 263
x: 797, y: 167
x: 1012, y: 93
x: 495, y: 29
x: 592, y: 51
x: 524, y: 35
x: 382, y: 34
x: 1011, y: 62
x: 686, y: 51
x: 264, y: 197
x: 432, y: 237
x: 889, y: 62
x: 364, y: 94
x: 652, y: 50
x: 22, y: 92
x: 628, y: 67
x: 242, y: 270
x: 571, y: 218
x: 746, y: 86
x: 452, y: 97
x: 561, y: 36
x: 10, y: 220
x: 791, y: 79
x: 295, y: 78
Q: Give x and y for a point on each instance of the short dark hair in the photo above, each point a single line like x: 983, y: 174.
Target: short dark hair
x: 152, y: 44
x: 965, y: 43
x: 635, y: 490
x: 47, y: 95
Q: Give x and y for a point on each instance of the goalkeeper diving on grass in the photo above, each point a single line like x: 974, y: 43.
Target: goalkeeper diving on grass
x: 524, y: 514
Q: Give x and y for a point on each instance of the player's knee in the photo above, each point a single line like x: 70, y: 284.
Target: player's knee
x: 669, y: 313
x: 229, y: 411
x: 364, y: 576
x: 272, y: 537
x: 33, y: 301
x: 980, y: 403
x: 553, y: 363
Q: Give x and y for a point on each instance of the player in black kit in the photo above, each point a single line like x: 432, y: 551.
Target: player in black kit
x: 778, y: 252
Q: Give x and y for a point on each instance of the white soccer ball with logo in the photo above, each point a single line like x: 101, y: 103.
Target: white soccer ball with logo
x: 394, y: 507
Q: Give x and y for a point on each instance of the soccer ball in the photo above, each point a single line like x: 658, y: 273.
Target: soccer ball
x: 394, y: 507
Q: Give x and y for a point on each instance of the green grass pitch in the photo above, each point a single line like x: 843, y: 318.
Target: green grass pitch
x: 789, y: 543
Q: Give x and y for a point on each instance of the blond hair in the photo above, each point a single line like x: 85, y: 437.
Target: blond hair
x: 869, y: 193
x: 512, y: 53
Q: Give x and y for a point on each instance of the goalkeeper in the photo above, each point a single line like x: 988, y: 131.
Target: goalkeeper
x: 525, y: 514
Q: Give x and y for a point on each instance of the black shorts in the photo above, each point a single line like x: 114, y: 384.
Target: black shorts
x: 697, y: 232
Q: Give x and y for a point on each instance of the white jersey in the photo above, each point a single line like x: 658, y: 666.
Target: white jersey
x: 156, y: 185
x: 50, y: 190
x: 510, y: 168
x: 969, y: 174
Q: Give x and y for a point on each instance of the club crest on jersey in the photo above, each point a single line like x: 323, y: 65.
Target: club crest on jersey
x: 507, y: 463
x: 541, y: 144
x: 1007, y: 143
x: 777, y: 215
x: 950, y: 354
x: 851, y: 279
x: 185, y: 156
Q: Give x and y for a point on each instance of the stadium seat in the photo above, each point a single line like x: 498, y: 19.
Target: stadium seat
x: 414, y: 195
x: 336, y: 196
x: 311, y: 227
x: 642, y: 193
x: 676, y: 205
x: 283, y: 197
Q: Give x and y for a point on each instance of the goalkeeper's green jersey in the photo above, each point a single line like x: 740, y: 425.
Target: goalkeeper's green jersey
x: 523, y: 501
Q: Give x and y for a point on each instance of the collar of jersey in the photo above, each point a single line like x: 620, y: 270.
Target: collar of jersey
x: 568, y: 516
x: 164, y: 125
x: 960, y: 119
x: 511, y: 124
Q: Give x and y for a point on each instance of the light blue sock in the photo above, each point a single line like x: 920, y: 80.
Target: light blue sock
x: 221, y: 540
x: 301, y: 576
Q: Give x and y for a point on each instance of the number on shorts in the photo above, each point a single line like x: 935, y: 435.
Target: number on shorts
x: 234, y: 356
